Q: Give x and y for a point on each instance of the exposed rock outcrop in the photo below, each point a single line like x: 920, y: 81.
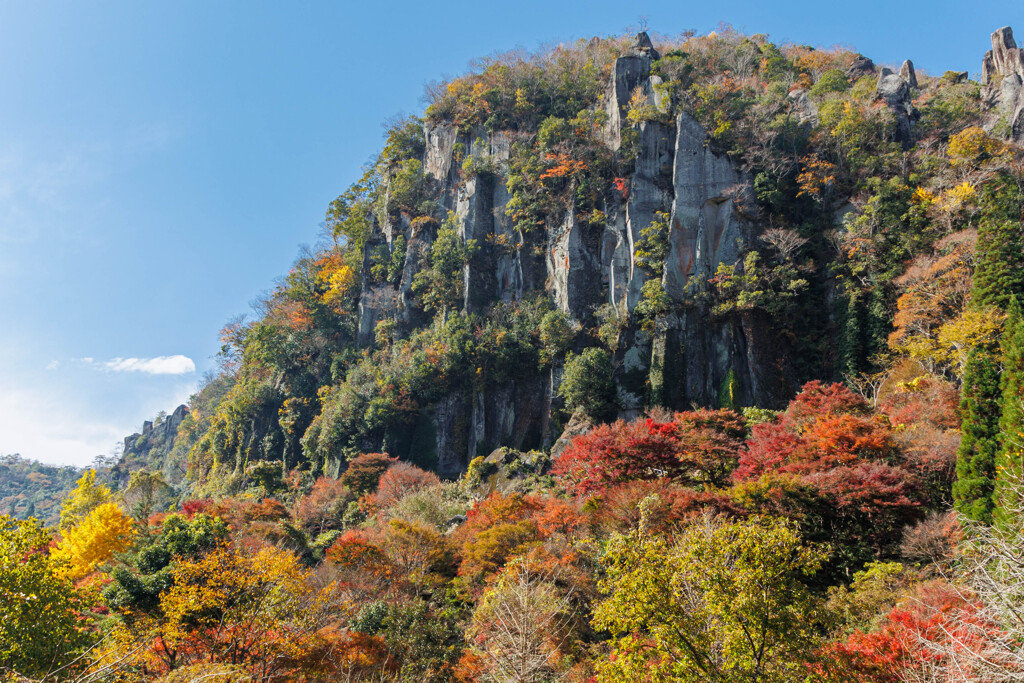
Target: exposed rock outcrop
x: 894, y: 90
x: 1002, y: 80
x: 581, y: 264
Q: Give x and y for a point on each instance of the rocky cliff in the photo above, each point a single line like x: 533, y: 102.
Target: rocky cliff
x: 689, y: 358
x: 718, y: 217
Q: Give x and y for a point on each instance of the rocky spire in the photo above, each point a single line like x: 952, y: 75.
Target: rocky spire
x: 908, y: 74
x: 642, y: 45
x: 1002, y: 75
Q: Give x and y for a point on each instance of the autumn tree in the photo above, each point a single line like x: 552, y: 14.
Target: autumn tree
x: 724, y: 602
x: 261, y: 611
x: 364, y: 472
x: 696, y: 448
x: 94, y: 540
x: 146, y: 493
x: 83, y: 499
x: 520, y: 625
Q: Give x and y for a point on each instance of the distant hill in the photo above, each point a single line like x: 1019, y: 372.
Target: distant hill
x: 29, y: 488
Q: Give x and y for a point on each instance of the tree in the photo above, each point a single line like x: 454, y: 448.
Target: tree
x: 1010, y: 459
x: 146, y: 493
x: 260, y: 611
x: 86, y: 496
x: 976, y: 456
x: 587, y: 383
x: 520, y: 625
x: 440, y: 284
x: 696, y: 448
x: 1000, y: 253
x: 364, y: 472
x: 42, y: 615
x: 725, y: 602
x: 94, y: 540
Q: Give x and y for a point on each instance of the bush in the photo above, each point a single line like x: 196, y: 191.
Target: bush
x: 364, y: 472
x: 587, y: 384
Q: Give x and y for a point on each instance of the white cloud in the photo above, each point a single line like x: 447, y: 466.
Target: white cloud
x: 41, y: 427
x: 68, y: 427
x: 161, y: 365
x: 52, y: 365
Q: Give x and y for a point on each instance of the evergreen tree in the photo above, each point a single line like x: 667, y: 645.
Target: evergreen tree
x: 976, y: 457
x: 999, y: 273
x: 1009, y: 466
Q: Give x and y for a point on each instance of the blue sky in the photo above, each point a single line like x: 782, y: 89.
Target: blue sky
x: 161, y: 163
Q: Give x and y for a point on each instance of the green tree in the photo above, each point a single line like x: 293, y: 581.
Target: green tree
x: 1010, y: 459
x: 41, y: 612
x: 999, y: 273
x: 440, y: 285
x: 726, y: 602
x: 587, y: 383
x: 976, y: 457
x: 146, y: 493
x: 556, y: 334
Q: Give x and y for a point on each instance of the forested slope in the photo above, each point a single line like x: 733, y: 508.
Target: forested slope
x: 697, y: 358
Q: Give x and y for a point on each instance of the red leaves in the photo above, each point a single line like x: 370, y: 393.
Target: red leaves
x: 697, y: 448
x: 400, y: 480
x: 364, y: 472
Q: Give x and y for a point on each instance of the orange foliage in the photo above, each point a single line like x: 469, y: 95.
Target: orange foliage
x: 563, y: 166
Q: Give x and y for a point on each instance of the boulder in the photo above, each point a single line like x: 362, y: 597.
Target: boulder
x: 862, y: 66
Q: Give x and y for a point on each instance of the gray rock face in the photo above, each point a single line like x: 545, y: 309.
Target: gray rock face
x: 581, y: 265
x: 862, y: 66
x: 1002, y: 78
x: 574, y: 267
x: 631, y: 71
x: 705, y: 228
x: 894, y: 90
x: 803, y: 107
x: 908, y: 74
x: 156, y: 434
x: 646, y: 196
x: 376, y: 303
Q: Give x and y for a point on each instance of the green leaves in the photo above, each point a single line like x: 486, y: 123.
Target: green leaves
x: 41, y: 624
x: 724, y: 602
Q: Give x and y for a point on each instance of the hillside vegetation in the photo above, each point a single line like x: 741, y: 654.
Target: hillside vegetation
x: 698, y: 358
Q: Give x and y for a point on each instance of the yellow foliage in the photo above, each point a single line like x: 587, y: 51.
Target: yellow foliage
x: 94, y: 540
x: 958, y: 197
x: 83, y: 499
x: 954, y: 340
x: 337, y: 277
x: 923, y: 195
x: 259, y: 610
x: 973, y: 145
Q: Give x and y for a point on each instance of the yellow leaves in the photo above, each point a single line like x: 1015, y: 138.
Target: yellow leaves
x: 336, y: 277
x: 952, y: 341
x: 924, y: 196
x: 956, y: 198
x: 84, y: 498
x: 817, y: 177
x: 973, y: 146
x: 94, y: 540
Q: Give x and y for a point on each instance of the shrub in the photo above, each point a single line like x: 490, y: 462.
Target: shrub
x: 587, y: 384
